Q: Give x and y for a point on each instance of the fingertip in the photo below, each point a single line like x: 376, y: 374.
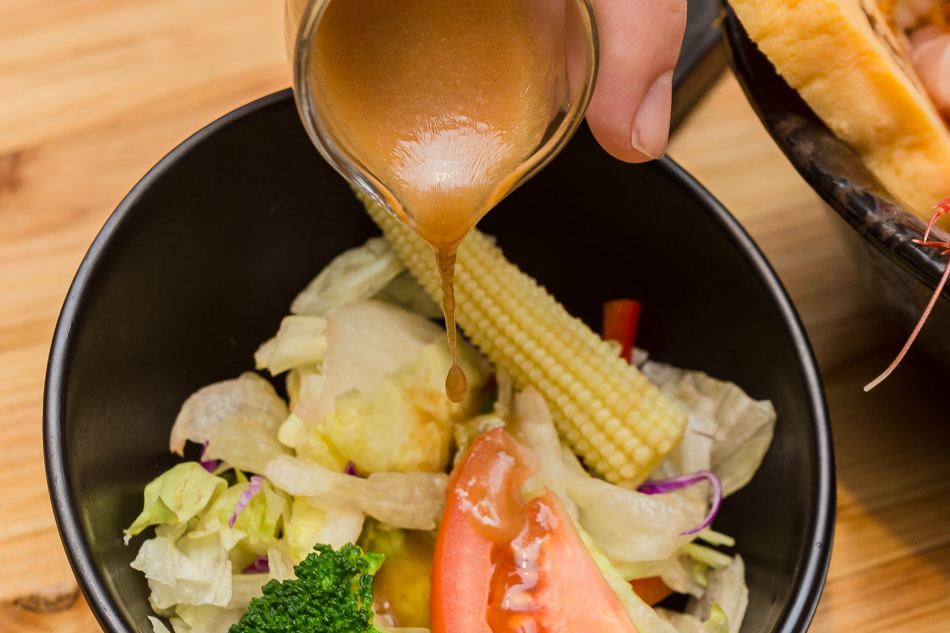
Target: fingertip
x: 637, y: 132
x: 630, y: 110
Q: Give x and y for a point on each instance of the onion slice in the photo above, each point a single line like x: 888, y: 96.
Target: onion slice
x: 683, y: 481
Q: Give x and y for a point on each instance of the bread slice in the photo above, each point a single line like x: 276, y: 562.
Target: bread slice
x: 851, y: 68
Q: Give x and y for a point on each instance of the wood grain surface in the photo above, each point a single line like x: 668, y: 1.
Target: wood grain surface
x: 94, y: 92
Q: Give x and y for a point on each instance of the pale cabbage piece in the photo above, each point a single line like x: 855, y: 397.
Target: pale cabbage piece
x: 243, y: 444
x: 304, y: 385
x: 630, y: 526
x: 204, y: 619
x: 404, y: 423
x: 177, y: 495
x: 315, y: 520
x: 354, y: 275
x: 279, y: 562
x: 728, y: 590
x: 300, y: 341
x: 532, y: 425
x: 248, y: 398
x: 316, y: 447
x: 366, y: 341
x: 677, y: 572
x: 189, y: 571
x: 728, y: 432
x: 256, y: 524
x: 244, y: 588
x: 717, y: 622
x: 406, y: 292
x: 293, y: 432
x: 405, y: 500
x: 157, y: 626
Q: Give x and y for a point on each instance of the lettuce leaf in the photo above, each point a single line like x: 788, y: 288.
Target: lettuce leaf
x: 406, y: 500
x: 728, y: 432
x: 726, y: 591
x: 248, y: 399
x: 300, y: 341
x: 256, y: 523
x: 315, y: 521
x: 187, y: 571
x: 176, y: 496
x: 243, y: 444
x: 354, y: 275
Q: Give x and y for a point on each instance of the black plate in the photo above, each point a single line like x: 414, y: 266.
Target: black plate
x: 880, y: 232
x: 199, y: 263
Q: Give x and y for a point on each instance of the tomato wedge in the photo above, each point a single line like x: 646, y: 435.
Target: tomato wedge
x: 502, y: 565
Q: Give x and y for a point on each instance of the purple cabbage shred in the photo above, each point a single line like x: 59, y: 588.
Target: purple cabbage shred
x: 208, y: 464
x: 253, y: 488
x: 259, y: 566
x: 351, y: 469
x: 676, y: 483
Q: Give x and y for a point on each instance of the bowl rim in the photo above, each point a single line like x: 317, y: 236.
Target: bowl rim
x: 809, y: 577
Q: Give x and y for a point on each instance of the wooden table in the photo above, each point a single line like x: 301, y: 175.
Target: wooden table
x: 93, y: 92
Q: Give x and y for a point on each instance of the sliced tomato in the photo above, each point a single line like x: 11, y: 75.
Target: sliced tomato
x: 548, y: 581
x: 484, y: 505
x: 505, y: 565
x: 621, y: 317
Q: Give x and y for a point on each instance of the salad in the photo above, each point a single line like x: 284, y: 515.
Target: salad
x: 367, y: 501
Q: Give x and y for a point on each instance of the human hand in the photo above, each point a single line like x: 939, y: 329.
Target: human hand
x: 640, y: 42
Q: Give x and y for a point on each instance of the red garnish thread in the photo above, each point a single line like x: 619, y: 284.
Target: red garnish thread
x: 941, y: 207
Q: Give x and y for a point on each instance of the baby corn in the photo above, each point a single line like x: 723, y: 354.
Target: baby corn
x: 604, y: 408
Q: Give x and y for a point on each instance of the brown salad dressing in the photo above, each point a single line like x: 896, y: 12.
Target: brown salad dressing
x: 441, y: 101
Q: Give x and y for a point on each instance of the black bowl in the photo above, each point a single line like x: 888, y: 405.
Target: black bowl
x: 878, y: 231
x: 201, y: 260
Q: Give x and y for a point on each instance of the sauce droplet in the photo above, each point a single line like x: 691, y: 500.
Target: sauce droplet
x: 456, y: 384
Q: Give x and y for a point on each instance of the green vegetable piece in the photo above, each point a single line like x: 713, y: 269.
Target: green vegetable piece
x: 332, y: 593
x: 177, y: 495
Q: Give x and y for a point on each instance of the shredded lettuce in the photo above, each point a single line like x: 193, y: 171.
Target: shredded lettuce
x: 726, y: 590
x: 728, y: 432
x: 407, y: 293
x: 176, y: 496
x: 204, y: 619
x: 315, y: 521
x: 243, y: 445
x: 187, y: 571
x: 366, y: 341
x: 404, y: 423
x: 257, y: 523
x: 300, y: 341
x: 249, y: 399
x: 685, y: 623
x: 354, y: 275
x: 412, y: 501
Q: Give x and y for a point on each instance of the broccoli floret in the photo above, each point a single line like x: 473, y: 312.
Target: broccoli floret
x: 333, y: 593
